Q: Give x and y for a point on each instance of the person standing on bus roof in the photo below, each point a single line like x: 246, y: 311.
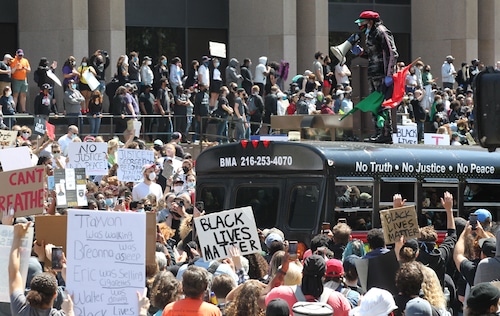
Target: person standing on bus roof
x: 380, y: 49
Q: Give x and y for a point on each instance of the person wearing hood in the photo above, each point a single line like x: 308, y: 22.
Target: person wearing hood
x: 261, y: 72
x: 246, y: 75
x: 40, y: 74
x: 232, y: 74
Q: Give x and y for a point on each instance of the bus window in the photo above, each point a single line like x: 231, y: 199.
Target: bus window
x: 304, y: 203
x: 213, y: 197
x: 263, y: 200
x: 482, y: 195
x: 432, y: 210
x: 406, y: 187
x: 354, y: 203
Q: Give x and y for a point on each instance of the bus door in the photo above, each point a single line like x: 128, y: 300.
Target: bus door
x: 303, y: 205
x: 407, y: 187
x: 429, y: 198
x: 354, y: 202
x: 482, y: 193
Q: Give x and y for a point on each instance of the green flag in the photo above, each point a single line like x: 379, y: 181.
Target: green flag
x: 369, y: 104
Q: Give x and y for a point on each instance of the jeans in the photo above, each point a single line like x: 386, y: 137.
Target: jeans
x: 222, y: 130
x: 95, y: 124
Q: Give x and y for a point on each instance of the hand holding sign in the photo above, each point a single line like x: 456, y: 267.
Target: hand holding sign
x: 399, y: 222
x: 397, y: 201
x: 8, y: 217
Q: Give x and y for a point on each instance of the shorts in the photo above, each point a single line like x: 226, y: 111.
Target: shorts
x: 19, y: 86
x: 83, y: 87
x: 215, y: 86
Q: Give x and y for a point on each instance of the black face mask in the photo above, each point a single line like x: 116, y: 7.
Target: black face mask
x: 185, y: 169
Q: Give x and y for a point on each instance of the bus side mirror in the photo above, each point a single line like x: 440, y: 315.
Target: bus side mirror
x: 487, y: 108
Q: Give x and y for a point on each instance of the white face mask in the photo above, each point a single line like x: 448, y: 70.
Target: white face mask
x: 152, y: 176
x: 148, y: 62
x: 191, y: 185
x: 8, y: 94
x: 84, y: 64
x: 177, y: 189
x: 26, y: 135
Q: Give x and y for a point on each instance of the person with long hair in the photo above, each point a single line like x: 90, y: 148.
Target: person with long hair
x: 246, y: 300
x: 95, y: 112
x: 70, y: 72
x: 122, y: 69
x: 433, y: 292
x: 83, y: 84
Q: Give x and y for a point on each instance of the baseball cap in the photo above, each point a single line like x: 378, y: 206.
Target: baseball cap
x: 176, y: 135
x: 334, y: 268
x: 449, y: 57
x: 309, y: 96
x: 483, y: 215
x: 147, y: 58
x: 205, y: 58
x: 147, y: 166
x: 367, y: 15
x: 158, y: 142
x: 20, y: 52
x: 418, y: 307
x: 376, y: 302
x: 339, y: 92
x: 45, y: 86
x: 314, y: 266
x: 411, y: 243
x: 488, y: 246
x: 277, y: 307
x: 272, y: 237
x: 7, y: 56
x: 483, y: 294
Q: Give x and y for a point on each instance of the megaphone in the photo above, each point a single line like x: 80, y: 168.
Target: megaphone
x: 341, y: 50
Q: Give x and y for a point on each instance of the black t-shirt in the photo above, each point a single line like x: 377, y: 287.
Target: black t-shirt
x: 4, y: 77
x: 148, y: 99
x: 468, y: 270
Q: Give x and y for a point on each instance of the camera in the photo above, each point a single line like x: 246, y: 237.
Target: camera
x: 104, y: 53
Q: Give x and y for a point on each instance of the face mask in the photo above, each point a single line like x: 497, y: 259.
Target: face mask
x: 367, y: 30
x: 164, y: 62
x: 84, y: 64
x: 410, y: 98
x: 135, y: 59
x: 206, y: 64
x: 341, y: 97
x: 26, y: 135
x: 217, y: 65
x: 141, y: 210
x: 8, y: 94
x: 109, y: 202
x: 148, y: 62
x: 73, y: 63
x: 177, y: 189
x: 73, y: 85
x: 185, y: 169
x: 152, y: 176
x: 191, y: 185
x: 74, y: 136
x: 56, y: 155
x: 440, y: 102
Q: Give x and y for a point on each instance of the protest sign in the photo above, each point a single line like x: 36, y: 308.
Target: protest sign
x: 90, y: 156
x: 130, y: 162
x: 7, y: 138
x: 217, y: 49
x: 54, y: 78
x: 15, y: 158
x: 92, y: 82
x: 436, y: 139
x: 39, y: 127
x: 70, y: 186
x: 51, y: 130
x: 106, y: 261
x: 405, y: 135
x: 6, y: 237
x: 397, y: 222
x: 221, y: 230
x: 23, y: 191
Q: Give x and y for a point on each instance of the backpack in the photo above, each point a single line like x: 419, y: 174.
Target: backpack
x: 252, y: 108
x: 305, y: 308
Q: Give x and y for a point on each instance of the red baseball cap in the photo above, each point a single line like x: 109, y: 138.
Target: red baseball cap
x: 367, y: 15
x: 334, y: 268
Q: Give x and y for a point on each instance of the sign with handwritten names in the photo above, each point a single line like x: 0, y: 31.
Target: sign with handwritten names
x: 397, y: 222
x: 219, y: 231
x: 437, y: 139
x: 6, y: 237
x: 70, y: 185
x: 23, y: 191
x: 91, y: 156
x: 130, y: 163
x: 7, y: 138
x: 406, y: 134
x: 106, y: 254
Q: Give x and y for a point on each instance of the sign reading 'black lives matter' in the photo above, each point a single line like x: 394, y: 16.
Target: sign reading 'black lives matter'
x: 219, y: 231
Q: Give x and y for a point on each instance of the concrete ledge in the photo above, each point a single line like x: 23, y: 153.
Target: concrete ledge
x: 296, y: 122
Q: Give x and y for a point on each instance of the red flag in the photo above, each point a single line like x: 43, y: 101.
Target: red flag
x: 399, y: 88
x: 51, y: 130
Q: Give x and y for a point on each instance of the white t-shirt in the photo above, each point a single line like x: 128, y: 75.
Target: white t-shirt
x: 339, y: 69
x: 141, y: 190
x: 64, y: 142
x: 260, y: 69
x: 205, y: 75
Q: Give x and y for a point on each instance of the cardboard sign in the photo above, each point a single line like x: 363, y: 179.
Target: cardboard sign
x: 45, y: 231
x: 405, y: 135
x: 436, y: 139
x: 92, y: 82
x: 54, y: 78
x: 130, y: 163
x: 6, y: 238
x: 90, y: 156
x: 8, y: 138
x: 15, y: 158
x: 221, y: 230
x: 217, y: 49
x: 106, y: 254
x: 39, y: 126
x: 70, y: 186
x: 23, y: 191
x: 397, y: 222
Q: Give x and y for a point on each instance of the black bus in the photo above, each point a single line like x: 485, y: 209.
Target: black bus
x: 296, y: 186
